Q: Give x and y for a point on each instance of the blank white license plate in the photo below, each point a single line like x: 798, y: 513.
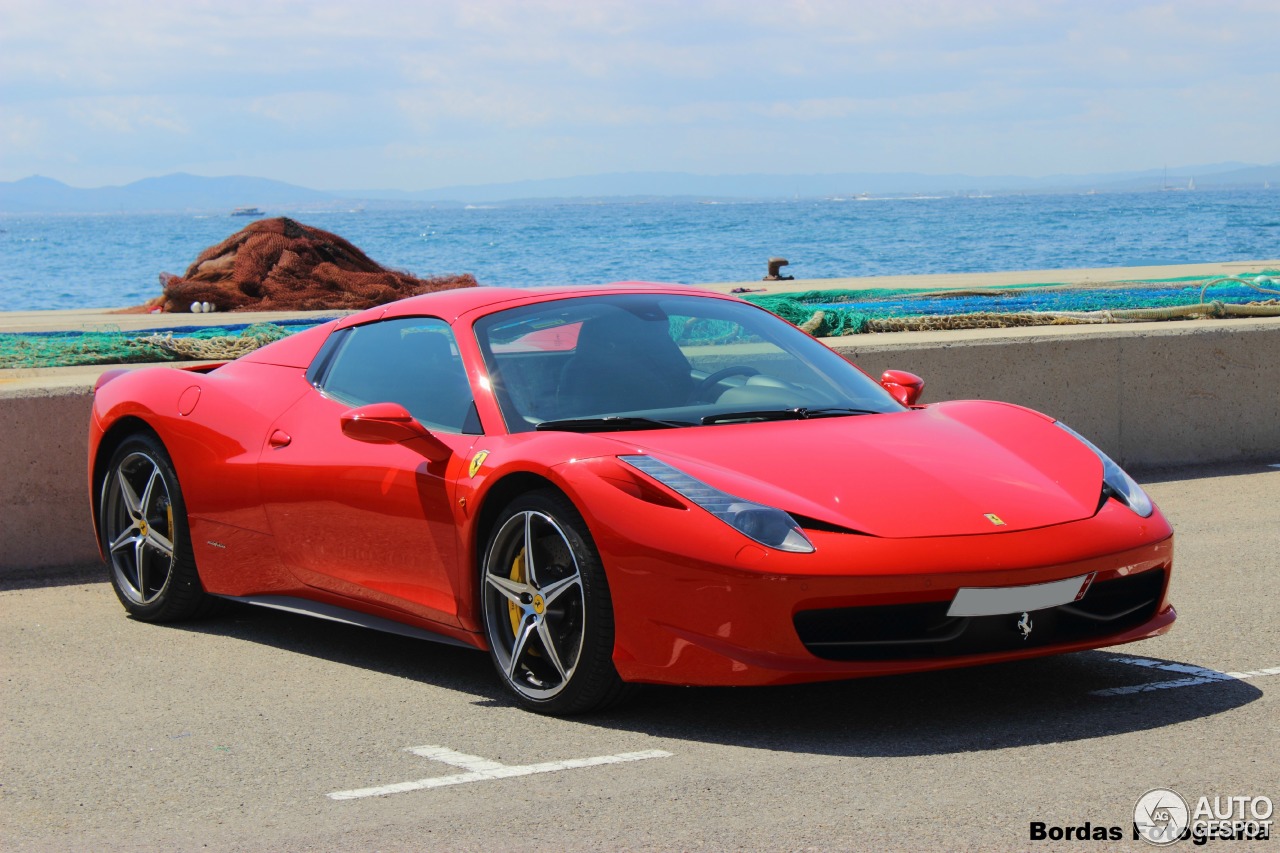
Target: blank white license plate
x: 998, y: 600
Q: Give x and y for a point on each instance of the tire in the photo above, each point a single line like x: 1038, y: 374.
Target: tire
x: 549, y: 620
x: 144, y: 533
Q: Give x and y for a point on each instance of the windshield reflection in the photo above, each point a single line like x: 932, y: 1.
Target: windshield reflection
x: 660, y: 361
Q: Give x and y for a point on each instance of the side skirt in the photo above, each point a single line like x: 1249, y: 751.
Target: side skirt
x: 334, y: 613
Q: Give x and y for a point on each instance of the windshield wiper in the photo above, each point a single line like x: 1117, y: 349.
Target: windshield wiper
x: 609, y: 423
x: 799, y: 413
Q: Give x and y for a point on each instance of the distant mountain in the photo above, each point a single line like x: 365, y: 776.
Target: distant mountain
x: 183, y: 192
x: 170, y: 192
x: 648, y: 185
x: 1238, y: 176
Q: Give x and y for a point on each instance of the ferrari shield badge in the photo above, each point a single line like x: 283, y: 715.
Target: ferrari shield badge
x: 995, y: 519
x: 476, y: 462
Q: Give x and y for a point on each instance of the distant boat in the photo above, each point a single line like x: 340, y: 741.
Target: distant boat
x: 1191, y: 184
x: 247, y: 211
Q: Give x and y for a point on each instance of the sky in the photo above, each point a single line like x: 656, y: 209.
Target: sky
x: 419, y: 94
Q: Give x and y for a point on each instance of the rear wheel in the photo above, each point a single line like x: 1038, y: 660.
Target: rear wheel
x: 547, y: 611
x: 144, y: 532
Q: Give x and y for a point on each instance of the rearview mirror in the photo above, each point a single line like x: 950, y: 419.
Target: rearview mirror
x: 905, y: 387
x: 391, y: 423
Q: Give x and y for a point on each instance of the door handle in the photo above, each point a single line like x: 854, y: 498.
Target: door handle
x: 279, y: 439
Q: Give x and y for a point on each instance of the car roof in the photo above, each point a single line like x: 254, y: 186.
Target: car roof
x: 452, y: 304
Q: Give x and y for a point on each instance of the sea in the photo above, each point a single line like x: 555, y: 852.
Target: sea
x: 50, y: 261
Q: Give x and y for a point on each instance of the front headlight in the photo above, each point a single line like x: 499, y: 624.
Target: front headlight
x: 764, y: 524
x: 1115, y: 482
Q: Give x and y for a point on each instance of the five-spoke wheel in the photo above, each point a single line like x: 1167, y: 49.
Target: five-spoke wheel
x: 143, y: 526
x: 547, y: 611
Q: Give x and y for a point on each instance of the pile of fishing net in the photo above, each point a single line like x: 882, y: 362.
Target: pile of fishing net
x: 282, y: 265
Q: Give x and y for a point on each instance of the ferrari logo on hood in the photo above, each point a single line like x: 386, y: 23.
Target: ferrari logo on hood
x: 476, y: 462
x: 995, y: 519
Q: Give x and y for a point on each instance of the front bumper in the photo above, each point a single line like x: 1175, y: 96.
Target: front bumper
x: 697, y: 604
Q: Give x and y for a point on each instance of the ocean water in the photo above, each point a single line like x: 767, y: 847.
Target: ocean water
x: 70, y: 261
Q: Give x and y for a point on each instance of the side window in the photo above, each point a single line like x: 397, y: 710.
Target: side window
x: 412, y: 361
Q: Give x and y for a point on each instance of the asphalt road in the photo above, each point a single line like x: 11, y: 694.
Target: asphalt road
x: 231, y: 734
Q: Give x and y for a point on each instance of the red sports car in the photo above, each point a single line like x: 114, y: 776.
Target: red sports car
x: 611, y: 485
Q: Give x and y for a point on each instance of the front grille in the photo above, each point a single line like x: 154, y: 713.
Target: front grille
x: 912, y: 631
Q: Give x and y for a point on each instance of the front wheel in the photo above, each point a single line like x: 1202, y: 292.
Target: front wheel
x: 144, y: 532
x: 547, y: 611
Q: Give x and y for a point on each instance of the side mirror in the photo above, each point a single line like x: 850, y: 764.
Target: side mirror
x: 391, y: 423
x: 905, y: 387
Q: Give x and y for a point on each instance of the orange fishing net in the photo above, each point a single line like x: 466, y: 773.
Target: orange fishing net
x: 282, y: 265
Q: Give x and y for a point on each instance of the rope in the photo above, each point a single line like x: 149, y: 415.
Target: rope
x: 219, y: 348
x: 1259, y: 283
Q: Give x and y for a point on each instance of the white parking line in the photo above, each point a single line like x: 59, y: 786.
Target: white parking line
x: 482, y: 769
x: 1196, y: 675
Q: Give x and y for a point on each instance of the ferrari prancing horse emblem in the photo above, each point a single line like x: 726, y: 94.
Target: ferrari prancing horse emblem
x: 1024, y: 625
x: 476, y: 462
x: 994, y: 519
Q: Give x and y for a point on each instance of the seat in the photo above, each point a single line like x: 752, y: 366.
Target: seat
x: 623, y: 363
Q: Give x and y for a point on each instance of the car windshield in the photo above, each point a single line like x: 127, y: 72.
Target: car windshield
x: 657, y: 361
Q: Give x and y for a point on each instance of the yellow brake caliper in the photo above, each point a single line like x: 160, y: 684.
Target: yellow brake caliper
x: 517, y: 575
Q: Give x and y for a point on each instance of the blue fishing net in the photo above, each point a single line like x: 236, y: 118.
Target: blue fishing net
x: 842, y: 312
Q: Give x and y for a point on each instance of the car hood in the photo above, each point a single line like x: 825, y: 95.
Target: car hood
x: 950, y: 469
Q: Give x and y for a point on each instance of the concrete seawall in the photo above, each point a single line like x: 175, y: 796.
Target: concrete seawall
x: 44, y: 503
x: 1150, y: 395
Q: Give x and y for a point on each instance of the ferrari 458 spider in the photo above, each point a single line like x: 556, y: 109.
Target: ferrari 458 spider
x: 615, y: 485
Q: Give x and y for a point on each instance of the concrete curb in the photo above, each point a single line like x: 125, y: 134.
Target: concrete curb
x: 44, y: 504
x: 1151, y: 395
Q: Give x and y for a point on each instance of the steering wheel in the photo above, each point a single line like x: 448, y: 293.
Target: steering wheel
x: 714, y: 379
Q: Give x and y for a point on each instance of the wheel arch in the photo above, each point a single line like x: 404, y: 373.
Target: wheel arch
x: 496, y: 497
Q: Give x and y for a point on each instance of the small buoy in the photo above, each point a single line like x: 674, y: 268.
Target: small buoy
x: 206, y: 307
x: 195, y: 308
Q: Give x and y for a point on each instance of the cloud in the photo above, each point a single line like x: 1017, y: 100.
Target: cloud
x: 550, y: 87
